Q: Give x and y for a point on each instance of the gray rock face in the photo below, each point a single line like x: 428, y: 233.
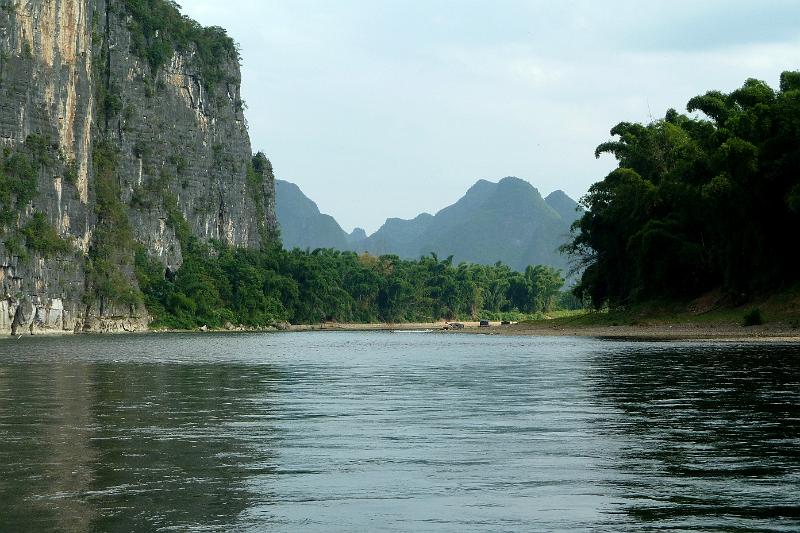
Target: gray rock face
x: 181, y: 149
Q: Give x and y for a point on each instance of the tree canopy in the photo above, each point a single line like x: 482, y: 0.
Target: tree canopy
x: 217, y: 285
x: 697, y: 203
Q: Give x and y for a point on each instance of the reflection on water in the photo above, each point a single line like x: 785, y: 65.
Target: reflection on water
x: 45, y: 445
x: 107, y: 445
x: 417, y: 432
x: 707, y: 436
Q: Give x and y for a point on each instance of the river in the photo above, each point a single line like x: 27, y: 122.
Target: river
x: 379, y: 431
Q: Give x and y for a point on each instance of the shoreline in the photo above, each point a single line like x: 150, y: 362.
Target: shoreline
x: 683, y: 331
x: 658, y: 332
x: 777, y: 332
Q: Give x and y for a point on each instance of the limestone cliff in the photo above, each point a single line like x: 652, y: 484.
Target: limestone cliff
x: 116, y: 138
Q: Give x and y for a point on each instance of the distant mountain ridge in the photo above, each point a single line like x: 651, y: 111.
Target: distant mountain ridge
x: 301, y: 223
x: 507, y: 221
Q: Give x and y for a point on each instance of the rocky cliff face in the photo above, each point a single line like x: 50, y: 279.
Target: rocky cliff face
x: 108, y: 152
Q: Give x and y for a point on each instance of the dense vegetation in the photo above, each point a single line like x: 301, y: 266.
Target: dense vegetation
x: 19, y: 174
x: 218, y: 285
x: 158, y: 30
x: 108, y: 263
x: 698, y: 203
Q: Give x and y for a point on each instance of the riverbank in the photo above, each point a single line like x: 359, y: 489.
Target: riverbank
x: 666, y: 332
x: 572, y: 327
x: 586, y: 325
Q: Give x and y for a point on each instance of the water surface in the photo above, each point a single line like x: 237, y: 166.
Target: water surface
x: 349, y: 431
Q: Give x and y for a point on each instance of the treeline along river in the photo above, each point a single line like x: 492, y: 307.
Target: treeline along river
x: 397, y: 432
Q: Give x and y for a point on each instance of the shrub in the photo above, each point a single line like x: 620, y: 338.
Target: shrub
x: 71, y: 172
x: 41, y: 237
x: 112, y: 245
x: 41, y: 149
x: 13, y: 247
x: 753, y: 317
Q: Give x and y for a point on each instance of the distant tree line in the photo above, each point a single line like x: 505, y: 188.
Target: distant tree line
x: 697, y: 203
x: 218, y: 285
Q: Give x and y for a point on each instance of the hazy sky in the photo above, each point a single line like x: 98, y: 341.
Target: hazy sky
x: 380, y: 108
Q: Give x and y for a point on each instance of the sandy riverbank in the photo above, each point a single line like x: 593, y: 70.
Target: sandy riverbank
x: 732, y: 332
x: 769, y: 332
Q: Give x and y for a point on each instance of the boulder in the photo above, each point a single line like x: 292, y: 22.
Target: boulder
x: 24, y: 315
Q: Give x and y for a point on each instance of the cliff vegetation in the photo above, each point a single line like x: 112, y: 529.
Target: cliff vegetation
x: 122, y: 132
x: 159, y: 30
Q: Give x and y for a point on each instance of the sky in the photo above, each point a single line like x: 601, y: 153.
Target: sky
x: 388, y: 108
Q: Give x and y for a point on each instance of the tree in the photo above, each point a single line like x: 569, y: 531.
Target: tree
x: 696, y: 203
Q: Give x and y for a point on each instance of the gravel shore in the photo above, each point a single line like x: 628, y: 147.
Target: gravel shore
x: 733, y: 332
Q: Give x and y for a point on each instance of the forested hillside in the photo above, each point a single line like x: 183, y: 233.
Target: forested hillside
x: 704, y: 201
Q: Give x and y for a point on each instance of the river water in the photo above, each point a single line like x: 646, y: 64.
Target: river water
x: 387, y: 431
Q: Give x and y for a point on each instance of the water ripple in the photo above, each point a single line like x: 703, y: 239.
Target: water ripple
x: 380, y: 432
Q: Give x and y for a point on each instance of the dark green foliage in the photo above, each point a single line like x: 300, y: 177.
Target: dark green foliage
x: 4, y: 57
x: 108, y: 207
x: 697, y: 203
x: 41, y: 150
x: 112, y: 244
x: 753, y: 318
x: 14, y: 247
x: 41, y: 237
x: 110, y: 100
x: 128, y: 113
x: 142, y: 149
x: 19, y: 174
x: 212, y: 287
x: 158, y: 29
x: 180, y: 163
x: 18, y: 186
x: 71, y: 172
x: 218, y: 285
x: 150, y: 274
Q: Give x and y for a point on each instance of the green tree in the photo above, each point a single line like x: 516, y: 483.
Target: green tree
x: 696, y: 203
